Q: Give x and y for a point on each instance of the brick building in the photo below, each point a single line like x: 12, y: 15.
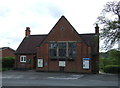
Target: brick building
x: 62, y: 49
x: 7, y: 52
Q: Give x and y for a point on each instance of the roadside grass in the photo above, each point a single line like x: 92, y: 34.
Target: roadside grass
x: 5, y: 69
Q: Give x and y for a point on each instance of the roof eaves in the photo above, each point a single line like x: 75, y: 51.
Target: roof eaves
x: 21, y: 44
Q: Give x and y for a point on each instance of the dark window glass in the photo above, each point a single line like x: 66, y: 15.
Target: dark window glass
x: 62, y: 45
x: 53, y: 52
x: 22, y: 58
x: 72, y: 53
x: 72, y: 45
x: 62, y: 52
x: 53, y: 49
x: 53, y: 45
x: 72, y: 50
x: 62, y: 49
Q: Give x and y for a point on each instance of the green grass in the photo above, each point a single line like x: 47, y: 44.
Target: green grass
x: 6, y: 69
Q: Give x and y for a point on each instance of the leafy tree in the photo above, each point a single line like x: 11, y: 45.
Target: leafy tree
x: 110, y: 21
x: 114, y: 56
x: 110, y: 60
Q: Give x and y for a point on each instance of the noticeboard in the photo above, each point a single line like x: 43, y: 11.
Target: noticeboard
x: 86, y: 63
x: 40, y: 62
x: 62, y: 64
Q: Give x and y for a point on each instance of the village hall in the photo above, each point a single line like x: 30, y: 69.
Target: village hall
x: 63, y: 49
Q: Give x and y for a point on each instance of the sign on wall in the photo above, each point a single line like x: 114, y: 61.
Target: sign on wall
x: 40, y: 62
x: 62, y: 63
x: 86, y: 63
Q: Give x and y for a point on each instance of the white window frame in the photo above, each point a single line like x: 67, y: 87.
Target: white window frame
x: 24, y: 59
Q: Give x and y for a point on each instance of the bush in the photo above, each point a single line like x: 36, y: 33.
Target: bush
x: 8, y: 62
x: 112, y: 69
x: 5, y: 69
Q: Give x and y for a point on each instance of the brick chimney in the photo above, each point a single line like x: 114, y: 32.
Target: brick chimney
x: 27, y: 31
x: 96, y: 48
x: 97, y: 29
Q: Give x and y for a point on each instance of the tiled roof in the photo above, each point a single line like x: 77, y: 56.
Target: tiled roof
x: 3, y: 48
x: 92, y: 41
x: 89, y: 39
x: 29, y: 44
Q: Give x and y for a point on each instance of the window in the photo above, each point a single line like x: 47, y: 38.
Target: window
x: 62, y: 50
x: 72, y: 50
x: 53, y: 49
x: 23, y: 59
x: 62, y: 28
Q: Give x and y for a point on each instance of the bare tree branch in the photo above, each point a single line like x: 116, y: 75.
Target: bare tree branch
x: 110, y: 32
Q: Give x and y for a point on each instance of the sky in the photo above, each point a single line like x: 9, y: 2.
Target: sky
x: 42, y: 15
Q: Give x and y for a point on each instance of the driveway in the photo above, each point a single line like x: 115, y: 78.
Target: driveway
x: 33, y: 78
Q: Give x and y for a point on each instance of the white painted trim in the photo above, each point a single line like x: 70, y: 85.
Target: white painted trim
x: 24, y: 58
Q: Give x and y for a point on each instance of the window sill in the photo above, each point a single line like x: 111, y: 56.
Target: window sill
x: 71, y: 59
x: 22, y: 62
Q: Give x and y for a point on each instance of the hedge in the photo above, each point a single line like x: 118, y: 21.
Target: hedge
x: 8, y: 62
x: 112, y: 69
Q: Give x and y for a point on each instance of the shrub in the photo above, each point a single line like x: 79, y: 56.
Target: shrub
x: 112, y: 69
x: 8, y: 62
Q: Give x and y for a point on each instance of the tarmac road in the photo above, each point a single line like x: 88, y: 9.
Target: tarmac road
x: 32, y: 78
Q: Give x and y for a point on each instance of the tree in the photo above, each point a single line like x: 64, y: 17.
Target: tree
x: 110, y: 60
x: 110, y: 21
x: 114, y: 56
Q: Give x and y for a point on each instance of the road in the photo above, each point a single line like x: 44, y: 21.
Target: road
x: 32, y: 78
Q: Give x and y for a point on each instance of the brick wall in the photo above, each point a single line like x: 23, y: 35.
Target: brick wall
x: 8, y: 53
x: 63, y: 31
x: 83, y: 51
x: 27, y: 64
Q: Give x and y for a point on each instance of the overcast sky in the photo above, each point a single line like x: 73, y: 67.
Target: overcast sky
x: 42, y: 15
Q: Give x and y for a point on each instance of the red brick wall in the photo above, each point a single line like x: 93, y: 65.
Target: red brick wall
x: 95, y: 64
x: 8, y: 53
x: 71, y: 66
x: 42, y: 53
x: 67, y: 34
x: 82, y: 52
x: 26, y: 65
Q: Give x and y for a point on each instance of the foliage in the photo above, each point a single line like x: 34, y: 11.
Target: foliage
x: 104, y: 62
x: 6, y: 69
x: 112, y: 69
x: 114, y: 55
x: 110, y: 20
x: 8, y: 62
x: 110, y: 59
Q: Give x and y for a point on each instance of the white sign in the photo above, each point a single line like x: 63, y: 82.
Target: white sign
x: 85, y: 64
x: 62, y: 63
x: 40, y: 62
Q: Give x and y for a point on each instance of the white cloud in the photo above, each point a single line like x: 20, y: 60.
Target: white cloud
x: 41, y: 16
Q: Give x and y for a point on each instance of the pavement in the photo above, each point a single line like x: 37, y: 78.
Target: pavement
x: 33, y: 78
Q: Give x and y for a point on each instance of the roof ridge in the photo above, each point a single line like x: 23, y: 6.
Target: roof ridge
x: 3, y: 48
x: 88, y: 34
x: 39, y: 35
